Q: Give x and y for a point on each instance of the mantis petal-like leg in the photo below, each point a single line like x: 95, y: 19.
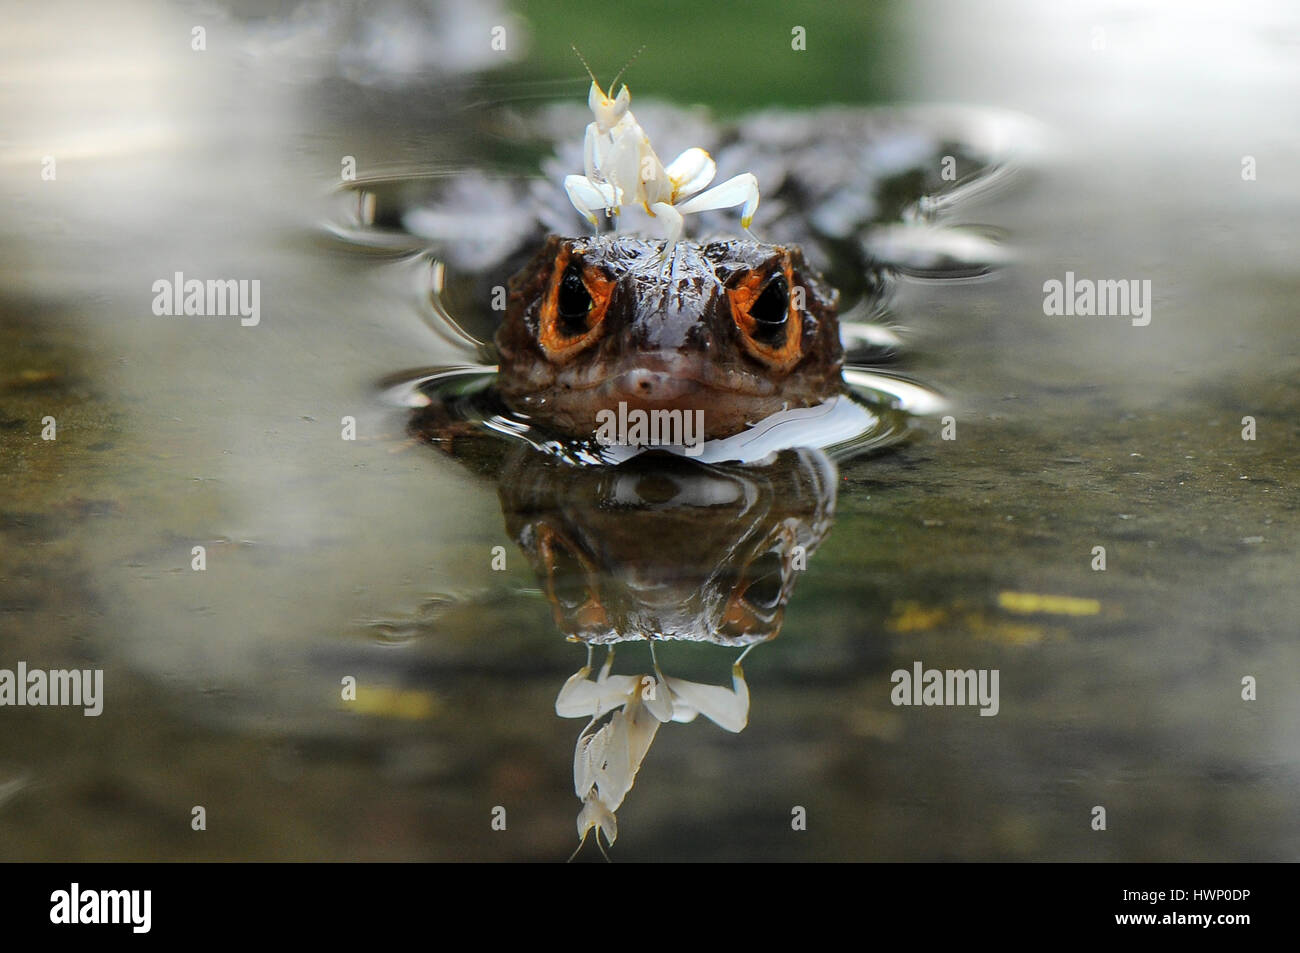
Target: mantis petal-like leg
x: 581, y: 696
x: 726, y: 709
x: 587, y: 196
x: 690, y: 172
x: 671, y: 219
x: 657, y: 699
x: 742, y: 189
x: 572, y: 701
x: 577, y: 696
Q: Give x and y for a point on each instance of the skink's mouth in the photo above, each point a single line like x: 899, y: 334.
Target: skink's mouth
x: 665, y: 379
x: 729, y: 394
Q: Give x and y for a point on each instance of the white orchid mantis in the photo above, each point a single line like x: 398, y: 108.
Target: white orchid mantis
x: 621, y: 168
x: 626, y: 712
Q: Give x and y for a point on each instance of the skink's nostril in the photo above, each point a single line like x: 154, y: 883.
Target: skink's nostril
x: 645, y: 384
x: 642, y: 381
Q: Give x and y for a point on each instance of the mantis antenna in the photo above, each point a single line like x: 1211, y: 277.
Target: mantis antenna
x: 584, y: 63
x: 625, y: 66
x: 587, y: 66
x: 580, y: 843
x: 584, y: 841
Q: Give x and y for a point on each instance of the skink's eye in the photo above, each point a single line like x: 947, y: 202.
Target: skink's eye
x: 573, y: 311
x: 766, y: 582
x: 769, y: 324
x: 771, y: 313
x: 573, y: 303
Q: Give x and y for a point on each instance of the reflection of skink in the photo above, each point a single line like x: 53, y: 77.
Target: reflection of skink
x: 663, y: 548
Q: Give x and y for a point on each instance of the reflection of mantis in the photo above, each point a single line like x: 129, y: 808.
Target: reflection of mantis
x: 626, y: 712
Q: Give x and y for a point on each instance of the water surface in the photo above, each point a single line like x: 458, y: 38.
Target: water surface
x: 372, y: 558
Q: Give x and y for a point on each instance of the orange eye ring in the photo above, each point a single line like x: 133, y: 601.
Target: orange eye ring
x: 744, y: 295
x: 554, y: 331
